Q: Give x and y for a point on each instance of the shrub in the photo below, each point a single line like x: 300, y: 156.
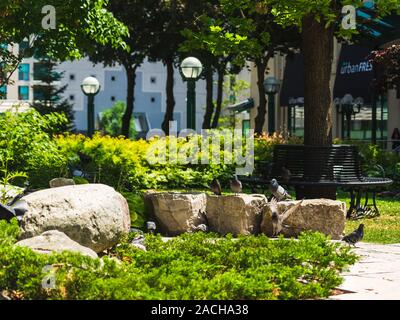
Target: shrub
x: 192, y: 266
x: 26, y: 145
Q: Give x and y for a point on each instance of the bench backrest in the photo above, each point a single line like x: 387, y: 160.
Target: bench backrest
x: 339, y: 163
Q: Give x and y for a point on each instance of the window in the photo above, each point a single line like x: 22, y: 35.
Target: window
x: 71, y: 77
x: 37, y: 94
x: 23, y: 73
x: 3, y: 46
x: 23, y: 93
x: 113, y: 78
x: 72, y: 97
x: 153, y: 80
x: 153, y: 99
x: 39, y: 71
x: 112, y: 98
x: 3, y: 92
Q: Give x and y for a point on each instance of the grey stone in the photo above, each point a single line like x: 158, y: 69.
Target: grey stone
x: 61, y: 182
x: 55, y: 241
x: 323, y: 215
x: 94, y: 215
x: 235, y: 214
x: 177, y: 213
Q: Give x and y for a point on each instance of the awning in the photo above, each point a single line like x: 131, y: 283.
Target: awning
x: 292, y: 91
x: 354, y: 74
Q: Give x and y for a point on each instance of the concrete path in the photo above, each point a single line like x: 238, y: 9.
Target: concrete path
x: 376, y: 276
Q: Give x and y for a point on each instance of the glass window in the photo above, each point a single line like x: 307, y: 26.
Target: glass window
x: 3, y: 46
x: 38, y: 93
x: 39, y: 71
x: 3, y: 92
x: 23, y: 73
x: 23, y: 93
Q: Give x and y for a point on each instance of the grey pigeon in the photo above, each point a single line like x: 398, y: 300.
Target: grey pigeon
x: 278, y: 191
x: 151, y: 226
x: 138, y: 242
x: 201, y: 227
x: 279, y: 219
x: 216, y: 187
x: 236, y: 185
x: 356, y: 236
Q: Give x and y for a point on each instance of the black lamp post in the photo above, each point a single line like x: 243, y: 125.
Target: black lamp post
x: 90, y: 87
x: 191, y: 69
x: 271, y: 86
x: 348, y: 107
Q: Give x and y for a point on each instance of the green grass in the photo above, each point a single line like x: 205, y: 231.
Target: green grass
x: 383, y: 229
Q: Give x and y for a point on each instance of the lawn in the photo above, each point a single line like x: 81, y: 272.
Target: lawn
x: 383, y: 229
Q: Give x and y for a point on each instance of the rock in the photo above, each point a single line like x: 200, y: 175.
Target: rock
x: 94, y: 215
x: 177, y: 213
x: 61, y: 182
x: 55, y: 241
x: 323, y: 215
x: 236, y: 214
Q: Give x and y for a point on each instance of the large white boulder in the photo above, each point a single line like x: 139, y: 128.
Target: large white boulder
x: 177, y: 213
x: 55, y: 241
x: 235, y: 214
x: 94, y: 215
x: 323, y: 215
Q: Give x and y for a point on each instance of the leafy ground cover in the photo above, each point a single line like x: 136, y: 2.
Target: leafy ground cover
x: 192, y: 266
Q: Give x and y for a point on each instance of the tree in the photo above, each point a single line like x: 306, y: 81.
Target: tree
x: 140, y: 17
x: 319, y: 22
x: 48, y: 96
x: 246, y: 31
x: 79, y: 24
x: 110, y: 121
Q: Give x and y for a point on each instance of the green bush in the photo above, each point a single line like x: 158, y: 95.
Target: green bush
x: 110, y: 121
x: 192, y: 266
x: 26, y: 145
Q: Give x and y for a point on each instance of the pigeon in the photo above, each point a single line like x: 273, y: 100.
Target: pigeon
x: 138, y: 242
x: 216, y: 187
x: 16, y: 210
x: 355, y: 236
x: 279, y: 219
x: 236, y: 185
x: 151, y: 226
x: 278, y: 191
x: 201, y: 227
x: 285, y: 174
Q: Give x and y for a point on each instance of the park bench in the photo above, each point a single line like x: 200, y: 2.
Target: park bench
x: 317, y: 172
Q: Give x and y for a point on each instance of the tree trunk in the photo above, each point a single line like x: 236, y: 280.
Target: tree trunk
x: 220, y: 93
x: 130, y: 99
x: 169, y: 113
x: 262, y: 107
x: 317, y: 48
x: 209, y: 99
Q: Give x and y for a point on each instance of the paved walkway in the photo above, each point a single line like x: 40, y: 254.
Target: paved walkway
x: 376, y: 276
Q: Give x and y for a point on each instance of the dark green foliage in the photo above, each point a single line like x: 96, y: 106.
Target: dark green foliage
x: 192, y: 266
x: 48, y: 96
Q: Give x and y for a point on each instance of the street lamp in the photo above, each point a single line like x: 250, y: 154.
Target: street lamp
x: 348, y: 106
x: 90, y: 87
x: 271, y: 86
x: 191, y: 69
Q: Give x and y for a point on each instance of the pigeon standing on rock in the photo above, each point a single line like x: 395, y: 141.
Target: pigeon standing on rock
x: 236, y: 185
x: 278, y: 191
x: 279, y: 219
x: 151, y: 227
x: 356, y: 236
x: 216, y: 187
